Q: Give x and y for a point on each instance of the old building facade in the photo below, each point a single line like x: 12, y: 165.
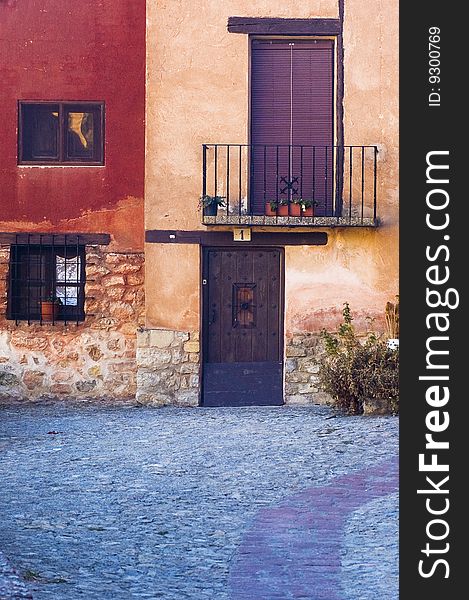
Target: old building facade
x: 72, y: 182
x: 263, y: 104
x: 283, y: 113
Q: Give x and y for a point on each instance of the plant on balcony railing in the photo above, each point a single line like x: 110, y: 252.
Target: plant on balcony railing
x: 275, y: 208
x: 304, y: 207
x: 210, y: 204
x: 317, y: 185
x: 296, y: 207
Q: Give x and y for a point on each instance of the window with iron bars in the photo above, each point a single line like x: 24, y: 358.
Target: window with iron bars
x: 46, y: 282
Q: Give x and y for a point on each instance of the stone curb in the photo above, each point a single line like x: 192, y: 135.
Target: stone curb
x: 12, y: 586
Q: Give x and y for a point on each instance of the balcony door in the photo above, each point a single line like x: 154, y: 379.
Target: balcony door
x: 292, y: 122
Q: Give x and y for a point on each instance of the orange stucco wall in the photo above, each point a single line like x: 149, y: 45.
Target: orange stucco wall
x: 198, y: 92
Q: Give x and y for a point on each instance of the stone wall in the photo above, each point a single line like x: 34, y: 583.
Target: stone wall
x: 94, y: 359
x: 301, y: 369
x: 168, y: 367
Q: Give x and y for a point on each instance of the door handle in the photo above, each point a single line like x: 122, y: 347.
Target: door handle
x: 213, y: 317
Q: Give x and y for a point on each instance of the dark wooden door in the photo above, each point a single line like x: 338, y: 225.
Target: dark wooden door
x: 292, y: 122
x: 242, y: 327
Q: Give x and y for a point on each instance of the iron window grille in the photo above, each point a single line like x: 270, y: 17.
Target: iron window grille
x: 61, y: 133
x: 47, y: 281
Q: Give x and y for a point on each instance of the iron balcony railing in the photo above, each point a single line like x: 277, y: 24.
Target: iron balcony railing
x: 282, y: 184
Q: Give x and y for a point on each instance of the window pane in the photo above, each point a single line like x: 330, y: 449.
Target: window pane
x: 80, y: 135
x: 68, y: 295
x: 40, y: 132
x: 67, y: 270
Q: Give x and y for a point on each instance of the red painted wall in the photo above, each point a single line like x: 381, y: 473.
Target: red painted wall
x: 75, y: 50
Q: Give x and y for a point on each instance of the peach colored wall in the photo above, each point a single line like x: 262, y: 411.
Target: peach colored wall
x: 197, y: 92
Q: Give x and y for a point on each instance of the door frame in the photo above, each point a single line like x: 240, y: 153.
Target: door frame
x: 203, y: 310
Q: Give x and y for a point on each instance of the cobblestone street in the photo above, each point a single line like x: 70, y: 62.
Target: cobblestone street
x: 243, y: 504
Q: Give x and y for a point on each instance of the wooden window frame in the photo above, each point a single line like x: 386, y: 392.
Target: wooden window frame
x: 64, y: 107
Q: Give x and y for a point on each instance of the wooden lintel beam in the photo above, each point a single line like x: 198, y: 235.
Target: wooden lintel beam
x: 276, y: 26
x: 225, y: 238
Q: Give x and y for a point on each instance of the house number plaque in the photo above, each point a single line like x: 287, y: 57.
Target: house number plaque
x: 242, y: 234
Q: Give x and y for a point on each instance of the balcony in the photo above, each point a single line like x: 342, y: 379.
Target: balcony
x: 290, y: 185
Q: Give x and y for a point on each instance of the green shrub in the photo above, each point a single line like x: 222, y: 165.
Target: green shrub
x: 352, y: 371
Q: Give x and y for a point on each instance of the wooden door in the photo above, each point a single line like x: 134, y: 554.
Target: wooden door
x: 292, y: 122
x: 242, y: 327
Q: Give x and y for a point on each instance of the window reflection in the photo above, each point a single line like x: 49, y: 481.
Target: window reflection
x: 80, y: 134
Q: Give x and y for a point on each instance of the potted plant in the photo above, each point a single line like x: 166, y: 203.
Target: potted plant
x: 303, y: 207
x: 210, y: 204
x: 50, y: 308
x: 276, y: 208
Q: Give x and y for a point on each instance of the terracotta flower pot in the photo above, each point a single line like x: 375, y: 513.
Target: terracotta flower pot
x: 282, y: 210
x: 295, y: 210
x: 49, y: 310
x: 307, y: 212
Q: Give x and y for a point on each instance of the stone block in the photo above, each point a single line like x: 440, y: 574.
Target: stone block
x: 297, y: 399
x: 94, y: 352
x: 191, y: 346
x: 187, y: 397
x: 153, y: 358
x: 291, y: 388
x: 188, y: 368
x: 115, y: 293
x: 94, y: 270
x: 33, y: 379
x: 307, y: 389
x: 291, y: 364
x: 194, y: 381
x: 60, y: 376
x: 122, y: 366
x: 177, y: 356
x: 126, y: 268
x: 60, y: 388
x: 143, y: 338
x: 113, y: 280
x: 147, y: 380
x: 194, y: 336
x: 135, y: 279
x: 297, y: 377
x: 95, y: 371
x: 114, y: 344
x: 295, y: 352
x: 85, y: 386
x: 121, y: 311
x: 153, y: 398
x: 28, y: 340
x: 182, y: 336
x: 160, y: 338
x: 7, y: 379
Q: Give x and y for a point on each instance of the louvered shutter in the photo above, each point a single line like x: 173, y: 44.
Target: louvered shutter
x: 292, y: 91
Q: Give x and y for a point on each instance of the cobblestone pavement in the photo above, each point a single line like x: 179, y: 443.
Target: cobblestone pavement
x: 228, y: 504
